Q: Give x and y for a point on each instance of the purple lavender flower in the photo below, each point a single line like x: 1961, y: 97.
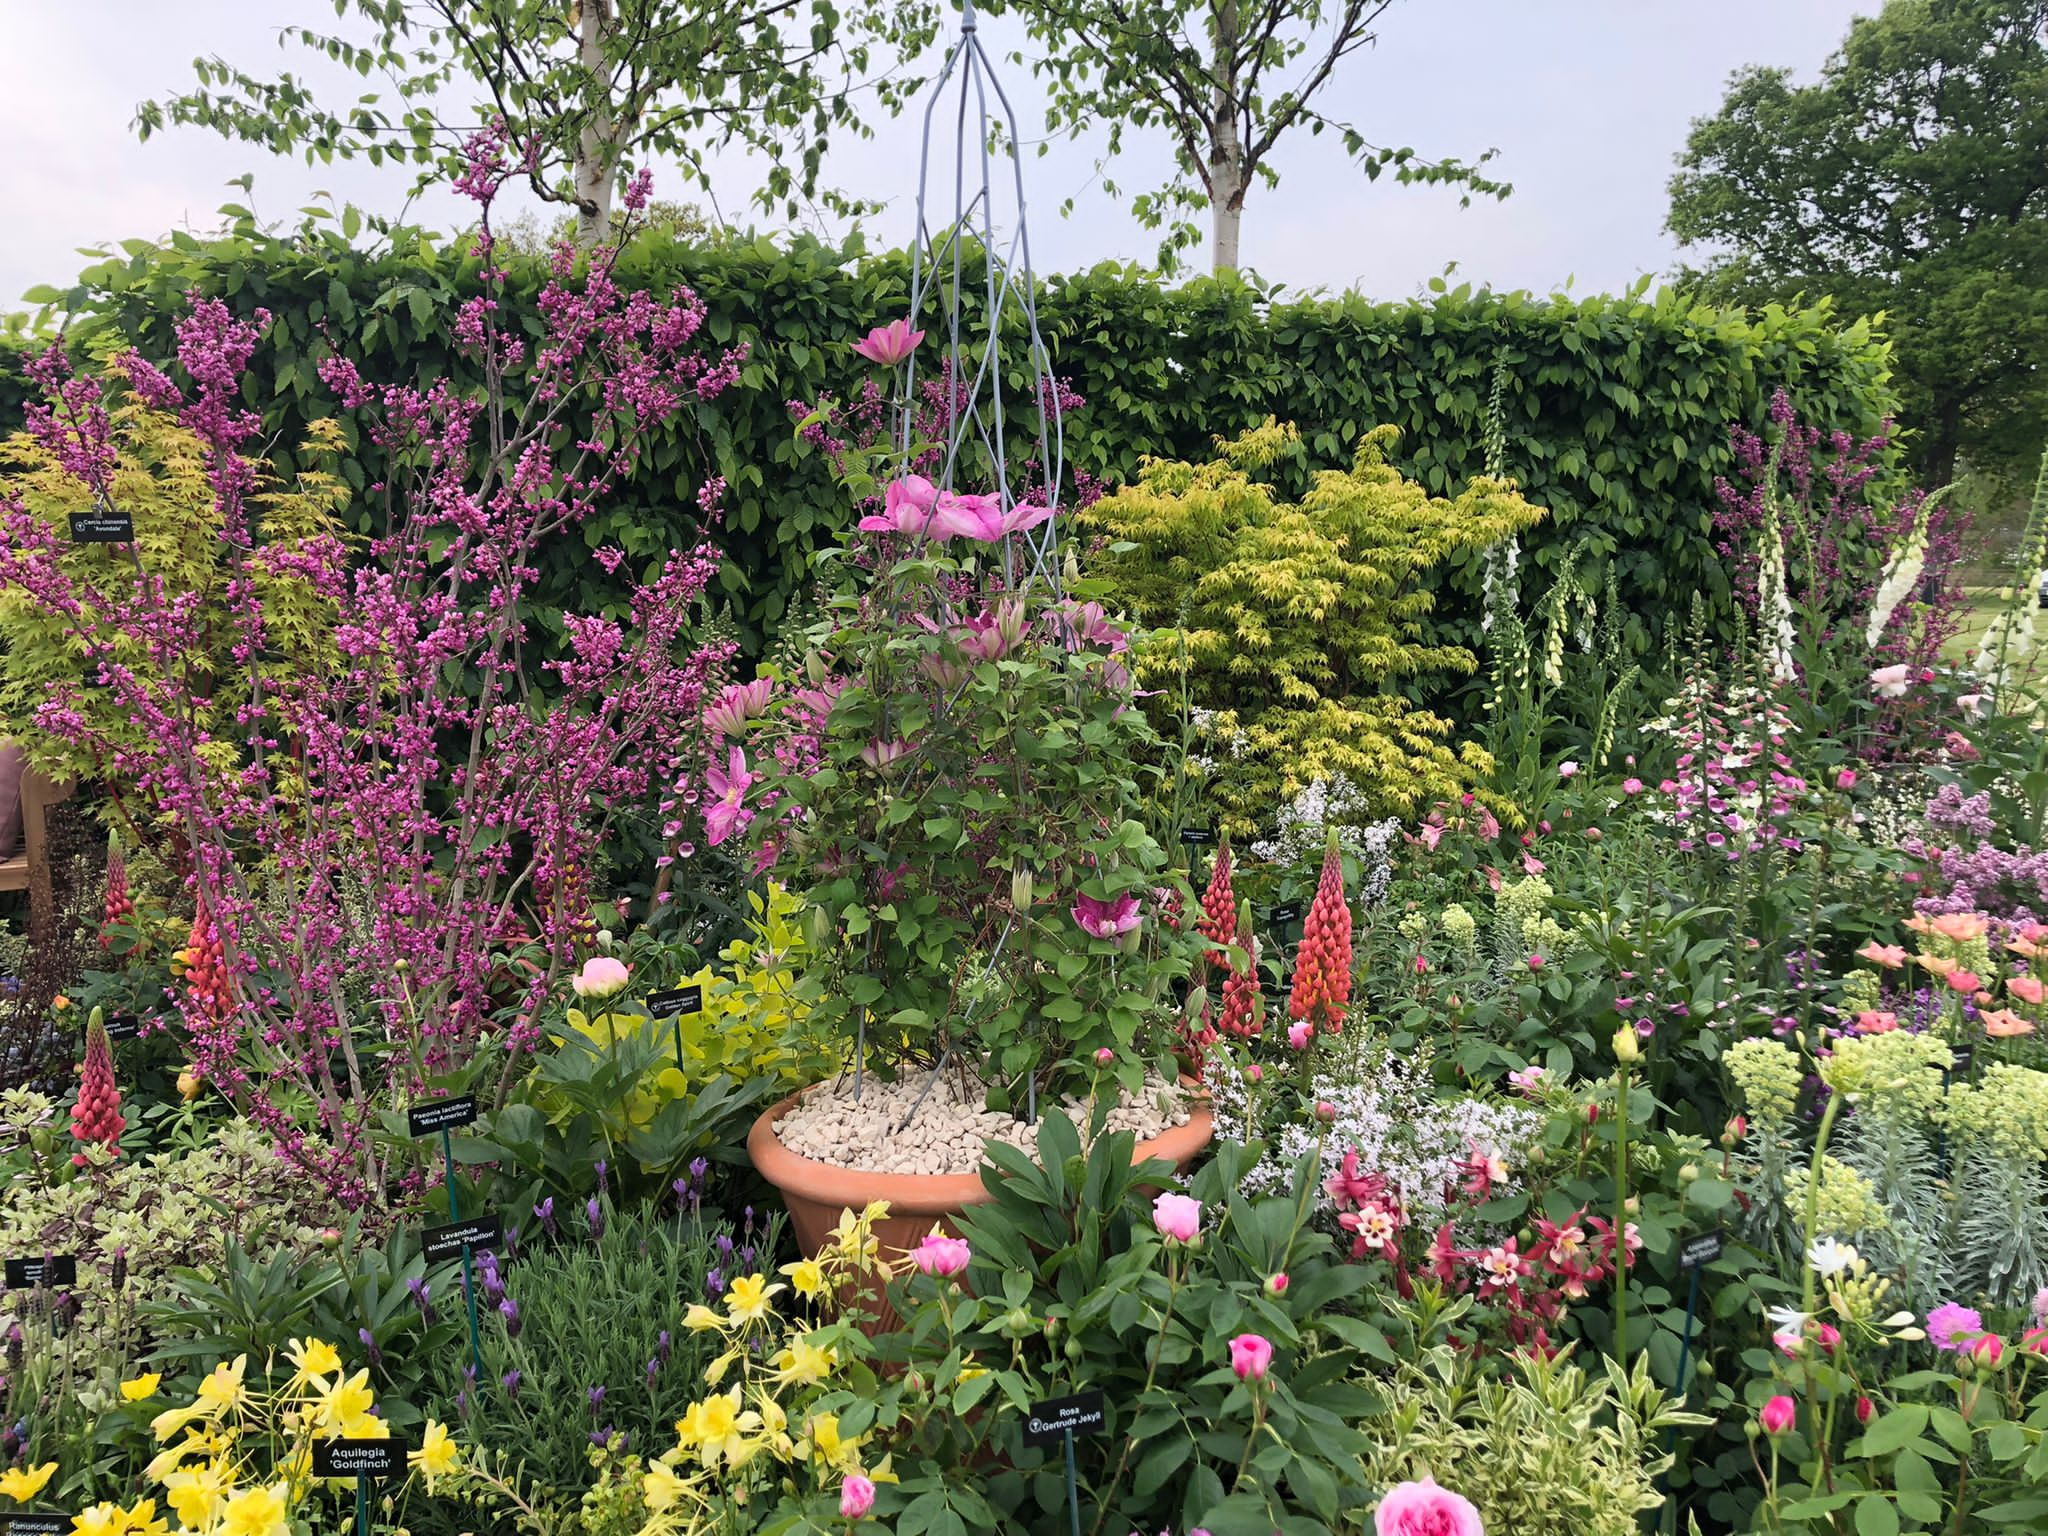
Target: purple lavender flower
x: 487, y: 1271
x: 545, y: 1211
x: 422, y: 1298
x: 603, y: 1184
x: 594, y: 1214
x: 661, y: 1342
x: 508, y: 1309
x: 593, y: 1397
x: 370, y: 1350
x: 510, y: 1382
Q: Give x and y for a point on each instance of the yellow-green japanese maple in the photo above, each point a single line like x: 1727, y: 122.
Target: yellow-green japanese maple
x: 1294, y: 622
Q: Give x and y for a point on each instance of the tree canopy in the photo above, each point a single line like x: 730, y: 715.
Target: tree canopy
x: 594, y: 84
x: 1911, y: 179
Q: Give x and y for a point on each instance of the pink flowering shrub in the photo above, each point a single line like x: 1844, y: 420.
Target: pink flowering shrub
x: 378, y: 822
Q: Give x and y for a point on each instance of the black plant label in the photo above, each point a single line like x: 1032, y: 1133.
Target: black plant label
x: 55, y: 1269
x: 441, y: 1115
x: 24, y: 1522
x: 446, y: 1241
x: 359, y: 1458
x: 666, y: 1005
x: 102, y: 528
x: 1698, y: 1252
x: 1052, y: 1421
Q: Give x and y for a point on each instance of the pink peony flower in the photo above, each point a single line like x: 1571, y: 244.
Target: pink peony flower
x: 601, y: 976
x: 1299, y: 1033
x: 1777, y: 1415
x: 1104, y: 1056
x: 1106, y: 919
x: 1178, y: 1217
x: 941, y: 1255
x: 856, y: 1497
x: 729, y: 786
x: 888, y: 345
x: 1251, y: 1356
x: 1567, y: 770
x: 1846, y: 779
x: 1424, y: 1509
x: 1631, y: 786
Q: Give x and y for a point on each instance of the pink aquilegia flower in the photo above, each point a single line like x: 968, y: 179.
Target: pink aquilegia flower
x: 1107, y: 919
x: 735, y: 705
x: 601, y: 976
x: 856, y: 1497
x: 880, y: 752
x: 1424, y: 1509
x: 889, y: 345
x: 907, y: 507
x: 1950, y: 1326
x: 1251, y: 1356
x: 1777, y: 1415
x: 1178, y: 1217
x: 941, y: 1255
x: 728, y: 785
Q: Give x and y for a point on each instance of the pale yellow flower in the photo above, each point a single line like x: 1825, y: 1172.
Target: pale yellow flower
x: 257, y: 1512
x: 142, y: 1387
x: 196, y: 1494
x: 23, y: 1483
x: 220, y: 1393
x: 717, y: 1428
x: 102, y: 1519
x: 806, y: 1277
x: 142, y: 1520
x: 699, y: 1318
x: 802, y: 1363
x: 751, y: 1299
x: 312, y: 1357
x: 340, y: 1408
x: 661, y: 1490
x: 438, y: 1452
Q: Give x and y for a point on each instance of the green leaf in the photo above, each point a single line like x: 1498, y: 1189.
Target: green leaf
x: 1876, y: 1516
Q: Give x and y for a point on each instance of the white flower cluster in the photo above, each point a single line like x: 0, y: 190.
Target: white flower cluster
x: 1388, y: 1111
x: 1301, y: 830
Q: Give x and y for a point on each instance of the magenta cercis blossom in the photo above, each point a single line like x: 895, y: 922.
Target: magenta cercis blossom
x: 1106, y: 919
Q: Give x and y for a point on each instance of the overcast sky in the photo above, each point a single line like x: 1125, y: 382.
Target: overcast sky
x: 1587, y: 100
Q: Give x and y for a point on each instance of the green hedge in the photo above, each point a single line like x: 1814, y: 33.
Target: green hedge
x: 1617, y: 406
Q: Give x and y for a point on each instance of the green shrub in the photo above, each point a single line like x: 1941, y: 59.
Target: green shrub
x: 1615, y: 408
x: 1294, y: 622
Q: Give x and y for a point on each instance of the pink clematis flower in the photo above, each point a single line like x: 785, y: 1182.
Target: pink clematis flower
x: 982, y: 518
x: 729, y: 713
x: 1107, y: 919
x: 907, y: 507
x: 889, y: 345
x: 727, y: 813
x: 881, y: 752
x: 1424, y: 1509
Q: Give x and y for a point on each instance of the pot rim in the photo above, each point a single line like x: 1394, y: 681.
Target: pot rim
x: 919, y: 1194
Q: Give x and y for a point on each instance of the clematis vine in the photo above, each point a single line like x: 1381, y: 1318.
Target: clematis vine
x: 1110, y: 919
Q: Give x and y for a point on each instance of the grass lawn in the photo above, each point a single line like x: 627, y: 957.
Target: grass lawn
x: 1984, y: 603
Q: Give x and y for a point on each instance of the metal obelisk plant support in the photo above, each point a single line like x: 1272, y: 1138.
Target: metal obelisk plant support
x: 983, y: 420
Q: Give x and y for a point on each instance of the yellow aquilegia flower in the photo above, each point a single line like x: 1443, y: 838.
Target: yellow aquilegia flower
x: 661, y: 1490
x: 827, y: 1444
x: 801, y: 1363
x: 698, y: 1318
x: 438, y: 1453
x: 196, y: 1494
x: 257, y: 1512
x: 806, y: 1277
x: 142, y: 1520
x: 342, y: 1407
x: 717, y: 1428
x: 312, y: 1357
x: 197, y: 1442
x: 103, y: 1519
x: 23, y: 1483
x: 142, y: 1387
x: 751, y: 1299
x: 219, y: 1394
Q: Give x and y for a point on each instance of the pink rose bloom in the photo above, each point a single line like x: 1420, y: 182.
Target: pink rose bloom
x: 1529, y: 1080
x: 1251, y: 1356
x: 1567, y: 770
x: 1846, y: 779
x: 1777, y: 1415
x: 888, y: 345
x: 1535, y: 962
x: 1178, y: 1217
x: 941, y: 1255
x: 856, y: 1497
x: 2028, y: 989
x: 1424, y: 1509
x: 1631, y: 786
x: 1988, y: 1350
x: 601, y: 976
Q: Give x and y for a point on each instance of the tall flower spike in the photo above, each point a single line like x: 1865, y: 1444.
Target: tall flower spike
x: 119, y: 906
x: 1241, y: 1002
x: 1322, y: 966
x: 96, y: 1118
x: 1219, y: 905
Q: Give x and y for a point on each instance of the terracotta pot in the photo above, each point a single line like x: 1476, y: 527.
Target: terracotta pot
x: 816, y: 1193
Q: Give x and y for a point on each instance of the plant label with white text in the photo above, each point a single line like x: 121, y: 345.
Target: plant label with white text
x: 52, y: 1269
x: 1698, y: 1252
x: 359, y: 1458
x: 452, y: 1238
x: 676, y: 1000
x: 1052, y: 1421
x: 441, y: 1115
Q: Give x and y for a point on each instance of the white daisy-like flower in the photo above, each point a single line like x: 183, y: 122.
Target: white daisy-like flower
x: 1787, y: 1320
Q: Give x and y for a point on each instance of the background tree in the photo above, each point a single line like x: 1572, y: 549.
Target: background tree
x: 1224, y: 80
x: 1912, y: 179
x: 595, y: 84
